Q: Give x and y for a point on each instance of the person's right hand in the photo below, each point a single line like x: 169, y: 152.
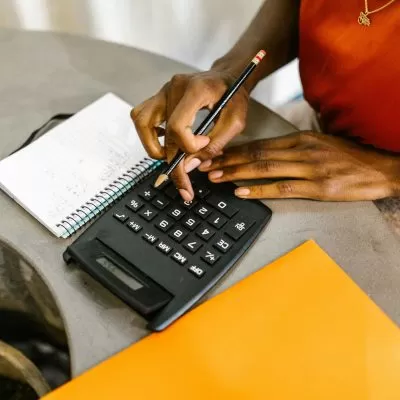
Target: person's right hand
x: 177, y: 104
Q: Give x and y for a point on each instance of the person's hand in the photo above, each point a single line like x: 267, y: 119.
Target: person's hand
x: 308, y: 165
x: 177, y: 104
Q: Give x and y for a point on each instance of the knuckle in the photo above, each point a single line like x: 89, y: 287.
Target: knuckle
x: 200, y: 86
x: 311, y: 154
x: 173, y: 126
x: 257, y: 191
x: 141, y: 121
x: 285, y: 188
x: 308, y: 136
x: 238, y: 124
x: 257, y: 154
x: 323, y: 153
x: 325, y: 170
x: 267, y: 165
x: 156, y: 154
x: 177, y: 79
x: 212, y: 149
x: 330, y: 188
x: 135, y: 113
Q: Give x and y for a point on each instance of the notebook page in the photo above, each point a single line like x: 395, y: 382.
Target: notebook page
x: 62, y: 170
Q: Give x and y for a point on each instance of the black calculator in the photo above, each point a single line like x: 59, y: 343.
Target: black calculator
x: 160, y: 254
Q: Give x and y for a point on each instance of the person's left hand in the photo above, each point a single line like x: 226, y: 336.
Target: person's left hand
x: 311, y: 165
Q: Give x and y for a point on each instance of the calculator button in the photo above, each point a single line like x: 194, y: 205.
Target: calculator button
x: 217, y: 220
x: 222, y: 205
x: 171, y: 192
x: 238, y: 226
x: 148, y: 213
x: 223, y: 244
x: 191, y: 222
x: 160, y: 202
x: 205, y: 232
x: 164, y: 247
x: 187, y: 204
x: 203, y: 211
x: 178, y: 234
x: 176, y: 213
x: 192, y: 245
x: 120, y: 216
x: 197, y: 271
x: 135, y: 204
x: 147, y: 193
x: 163, y: 224
x: 201, y: 192
x: 210, y: 257
x: 149, y: 237
x: 179, y: 258
x: 134, y: 226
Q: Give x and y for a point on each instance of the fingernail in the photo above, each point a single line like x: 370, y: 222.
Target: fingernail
x: 242, y: 191
x: 192, y: 164
x: 205, y: 164
x: 216, y: 174
x: 185, y: 195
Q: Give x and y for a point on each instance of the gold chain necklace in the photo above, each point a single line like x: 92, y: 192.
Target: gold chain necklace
x: 363, y: 19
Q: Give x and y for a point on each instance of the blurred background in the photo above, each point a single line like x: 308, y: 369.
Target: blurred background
x: 195, y: 32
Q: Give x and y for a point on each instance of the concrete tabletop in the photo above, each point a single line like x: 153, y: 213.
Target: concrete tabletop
x: 42, y: 74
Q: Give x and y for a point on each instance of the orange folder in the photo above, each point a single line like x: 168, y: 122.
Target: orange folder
x: 299, y: 328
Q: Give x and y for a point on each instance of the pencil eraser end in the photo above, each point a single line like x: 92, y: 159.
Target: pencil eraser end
x: 260, y: 55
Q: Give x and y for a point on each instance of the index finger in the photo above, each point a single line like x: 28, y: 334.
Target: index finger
x: 147, y: 117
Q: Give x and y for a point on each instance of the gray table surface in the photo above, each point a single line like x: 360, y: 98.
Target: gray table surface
x: 42, y: 74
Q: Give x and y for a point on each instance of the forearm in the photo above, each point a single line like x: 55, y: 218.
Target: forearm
x: 274, y: 29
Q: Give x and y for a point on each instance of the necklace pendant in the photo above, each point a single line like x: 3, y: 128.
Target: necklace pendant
x: 363, y: 19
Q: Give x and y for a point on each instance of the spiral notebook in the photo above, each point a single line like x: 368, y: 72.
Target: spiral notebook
x: 76, y: 170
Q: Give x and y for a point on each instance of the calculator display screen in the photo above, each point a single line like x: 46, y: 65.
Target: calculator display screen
x: 119, y: 273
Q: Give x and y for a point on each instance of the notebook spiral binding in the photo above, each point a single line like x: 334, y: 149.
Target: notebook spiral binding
x: 107, y: 196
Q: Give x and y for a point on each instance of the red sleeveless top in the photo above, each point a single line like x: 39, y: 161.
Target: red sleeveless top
x: 351, y: 73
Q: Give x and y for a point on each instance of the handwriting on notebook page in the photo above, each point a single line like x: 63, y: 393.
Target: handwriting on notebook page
x: 69, y: 165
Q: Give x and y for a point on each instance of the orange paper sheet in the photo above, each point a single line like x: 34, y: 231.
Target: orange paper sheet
x: 299, y: 328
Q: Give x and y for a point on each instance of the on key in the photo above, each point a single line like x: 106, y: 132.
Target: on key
x: 197, y: 271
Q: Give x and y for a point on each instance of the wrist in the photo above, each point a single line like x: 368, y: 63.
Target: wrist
x: 394, y: 169
x: 396, y: 187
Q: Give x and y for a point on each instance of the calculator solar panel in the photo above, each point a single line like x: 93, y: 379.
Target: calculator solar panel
x: 160, y: 254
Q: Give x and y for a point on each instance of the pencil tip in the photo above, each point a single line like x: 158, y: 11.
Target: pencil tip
x: 160, y: 180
